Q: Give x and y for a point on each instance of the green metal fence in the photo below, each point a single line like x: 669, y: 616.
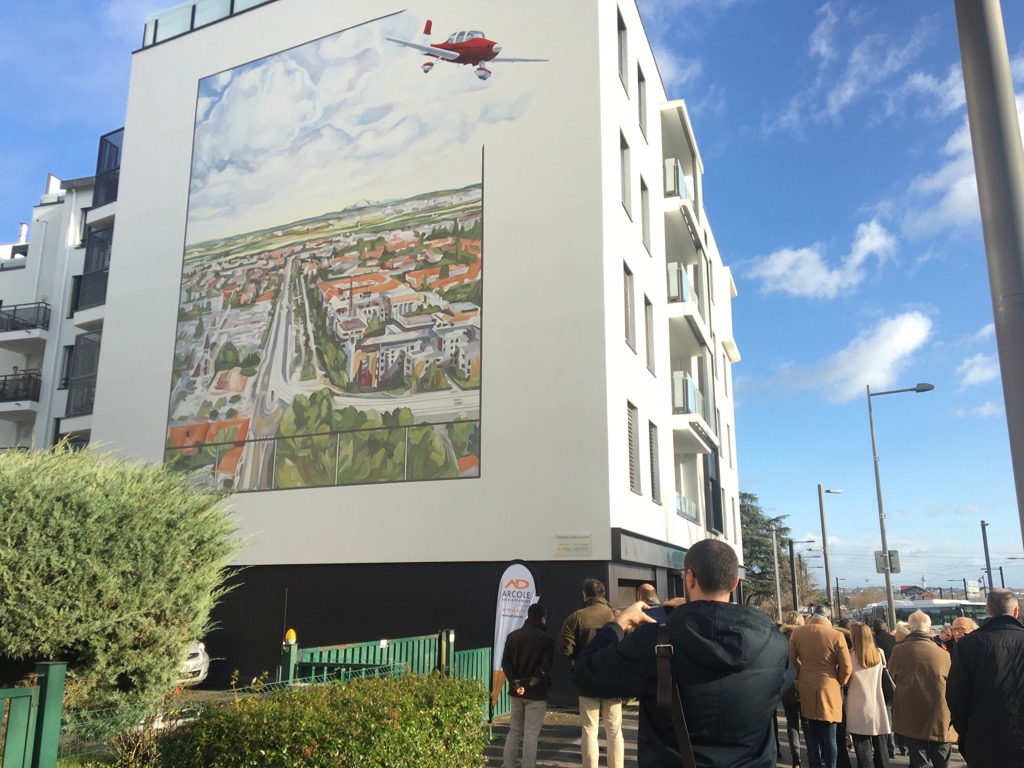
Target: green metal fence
x: 18, y: 707
x: 421, y: 655
x: 31, y: 719
x: 476, y: 665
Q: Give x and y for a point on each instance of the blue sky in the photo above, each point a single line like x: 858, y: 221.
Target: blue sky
x: 839, y: 183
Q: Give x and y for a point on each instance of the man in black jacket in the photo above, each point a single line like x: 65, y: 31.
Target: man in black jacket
x: 729, y: 661
x: 985, y: 689
x: 526, y: 662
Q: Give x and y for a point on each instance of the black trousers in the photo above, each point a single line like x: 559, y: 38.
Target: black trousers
x: 864, y: 746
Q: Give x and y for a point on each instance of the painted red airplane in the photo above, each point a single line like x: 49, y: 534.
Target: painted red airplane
x: 468, y: 47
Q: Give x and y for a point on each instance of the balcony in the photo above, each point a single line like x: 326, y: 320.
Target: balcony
x: 685, y: 302
x: 693, y: 419
x: 23, y: 327
x: 192, y: 15
x: 19, y: 396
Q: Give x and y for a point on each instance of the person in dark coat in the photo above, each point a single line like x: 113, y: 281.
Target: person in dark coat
x: 526, y: 663
x: 729, y: 661
x: 885, y: 643
x: 985, y: 689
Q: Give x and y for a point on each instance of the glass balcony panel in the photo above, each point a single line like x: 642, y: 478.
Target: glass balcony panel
x: 680, y: 287
x: 244, y: 5
x: 173, y: 22
x: 686, y: 397
x: 686, y: 507
x: 209, y: 11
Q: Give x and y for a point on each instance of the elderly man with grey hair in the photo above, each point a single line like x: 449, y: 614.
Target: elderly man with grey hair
x: 986, y: 687
x: 919, y: 712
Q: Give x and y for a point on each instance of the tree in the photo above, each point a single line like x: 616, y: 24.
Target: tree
x: 108, y: 565
x: 759, y: 586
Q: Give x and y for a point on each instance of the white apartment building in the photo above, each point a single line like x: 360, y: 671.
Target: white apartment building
x: 52, y: 304
x: 424, y: 310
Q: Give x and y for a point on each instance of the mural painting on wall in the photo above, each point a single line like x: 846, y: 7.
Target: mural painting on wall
x: 330, y: 312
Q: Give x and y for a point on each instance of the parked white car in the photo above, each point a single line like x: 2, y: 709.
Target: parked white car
x: 197, y: 666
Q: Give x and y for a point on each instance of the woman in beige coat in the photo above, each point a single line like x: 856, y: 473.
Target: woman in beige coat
x: 866, y: 717
x: 822, y: 661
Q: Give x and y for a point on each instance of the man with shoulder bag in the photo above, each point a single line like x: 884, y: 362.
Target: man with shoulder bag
x: 724, y: 665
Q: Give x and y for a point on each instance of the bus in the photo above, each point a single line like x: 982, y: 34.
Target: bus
x: 940, y: 611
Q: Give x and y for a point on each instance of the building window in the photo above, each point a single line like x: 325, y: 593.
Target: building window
x: 728, y: 443
x: 633, y: 417
x: 645, y: 214
x: 623, y: 54
x: 627, y: 302
x: 627, y: 198
x: 649, y: 332
x: 65, y: 366
x: 655, y: 471
x: 725, y: 374
x: 641, y: 98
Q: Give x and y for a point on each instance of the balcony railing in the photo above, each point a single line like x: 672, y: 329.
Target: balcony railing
x: 686, y: 396
x: 192, y: 15
x: 686, y: 507
x: 677, y: 183
x: 108, y: 168
x: 680, y: 289
x: 20, y: 386
x: 24, y: 317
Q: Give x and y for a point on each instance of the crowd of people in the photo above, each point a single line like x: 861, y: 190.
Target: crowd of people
x: 709, y: 675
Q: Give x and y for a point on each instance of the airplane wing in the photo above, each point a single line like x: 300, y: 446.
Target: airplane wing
x: 513, y: 61
x: 429, y: 50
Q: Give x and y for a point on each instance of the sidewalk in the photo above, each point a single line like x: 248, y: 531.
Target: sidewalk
x: 560, y: 742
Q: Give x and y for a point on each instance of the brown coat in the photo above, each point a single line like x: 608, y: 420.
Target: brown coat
x: 823, y: 666
x: 919, y: 668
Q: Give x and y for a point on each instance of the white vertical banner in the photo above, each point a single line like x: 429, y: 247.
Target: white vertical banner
x: 517, y: 591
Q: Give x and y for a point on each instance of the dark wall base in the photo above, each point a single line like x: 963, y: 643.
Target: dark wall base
x: 333, y: 604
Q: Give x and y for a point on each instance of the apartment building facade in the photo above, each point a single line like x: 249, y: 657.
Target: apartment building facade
x: 421, y: 309
x: 52, y: 305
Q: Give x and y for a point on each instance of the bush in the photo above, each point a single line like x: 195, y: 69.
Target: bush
x: 381, y: 722
x: 108, y: 565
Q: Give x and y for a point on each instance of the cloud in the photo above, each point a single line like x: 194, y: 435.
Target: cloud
x: 946, y: 198
x: 126, y: 19
x: 822, y: 43
x: 804, y: 272
x: 875, y: 357
x: 939, y: 98
x: 978, y: 369
x: 986, y: 332
x: 675, y: 70
x: 983, y: 411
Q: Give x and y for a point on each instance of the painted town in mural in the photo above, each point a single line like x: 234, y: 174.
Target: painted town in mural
x: 338, y: 348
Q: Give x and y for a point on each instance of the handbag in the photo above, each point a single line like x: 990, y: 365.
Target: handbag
x: 888, y: 684
x: 669, y: 703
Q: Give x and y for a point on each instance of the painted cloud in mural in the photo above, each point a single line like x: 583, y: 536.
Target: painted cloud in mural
x: 352, y: 94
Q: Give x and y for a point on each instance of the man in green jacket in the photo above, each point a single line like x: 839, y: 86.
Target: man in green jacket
x: 577, y: 631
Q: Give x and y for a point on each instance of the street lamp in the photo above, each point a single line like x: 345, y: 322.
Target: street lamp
x: 792, y: 570
x: 878, y: 491
x: 839, y: 599
x: 824, y: 545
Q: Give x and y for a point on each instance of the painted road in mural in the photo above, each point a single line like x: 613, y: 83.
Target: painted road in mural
x: 340, y: 347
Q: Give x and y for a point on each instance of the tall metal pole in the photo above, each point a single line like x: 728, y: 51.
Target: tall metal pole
x: 1002, y: 581
x: 965, y: 589
x: 999, y: 169
x: 792, y: 571
x: 890, y: 605
x: 839, y: 601
x: 778, y: 582
x: 988, y: 561
x: 824, y: 549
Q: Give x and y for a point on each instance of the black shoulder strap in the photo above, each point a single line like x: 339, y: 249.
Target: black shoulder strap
x: 669, y: 704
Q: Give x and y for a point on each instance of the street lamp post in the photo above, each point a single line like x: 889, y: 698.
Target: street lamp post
x: 824, y: 545
x: 778, y: 582
x: 988, y: 561
x: 839, y: 599
x: 792, y: 571
x: 891, y: 613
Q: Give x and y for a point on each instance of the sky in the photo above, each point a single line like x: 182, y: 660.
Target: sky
x: 839, y: 183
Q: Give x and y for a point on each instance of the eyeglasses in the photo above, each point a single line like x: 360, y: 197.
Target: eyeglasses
x: 958, y: 631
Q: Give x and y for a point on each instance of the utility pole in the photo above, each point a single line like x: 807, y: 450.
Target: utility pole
x: 792, y: 573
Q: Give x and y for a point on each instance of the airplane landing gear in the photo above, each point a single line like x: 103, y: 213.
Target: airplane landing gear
x: 426, y: 66
x: 482, y: 72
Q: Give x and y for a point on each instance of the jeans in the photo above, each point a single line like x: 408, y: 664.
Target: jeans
x: 925, y: 753
x: 863, y: 746
x: 524, y: 726
x: 821, y: 744
x: 592, y: 712
x: 794, y: 722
